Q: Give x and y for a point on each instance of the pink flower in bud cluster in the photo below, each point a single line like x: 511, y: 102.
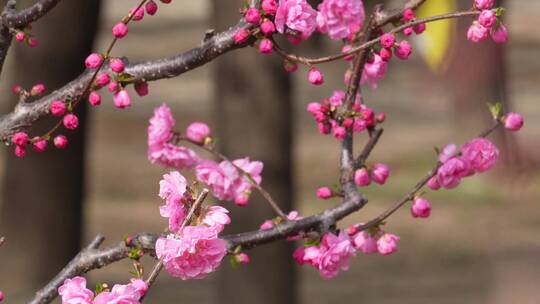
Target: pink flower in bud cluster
x: 93, y: 61
x: 374, y: 71
x: 60, y: 142
x: 365, y: 242
x: 40, y: 145
x: 513, y: 121
x: 419, y: 28
x: 481, y: 154
x: 103, y: 79
x: 340, y: 18
x: 37, y: 89
x: 324, y: 193
x: 192, y: 254
x: 122, y: 99
x: 408, y: 15
x: 141, y: 88
x: 197, y: 132
x: 269, y: 6
x: 447, y: 152
x: 242, y: 258
x: 487, y: 18
x: 33, y: 42
x: 71, y: 121
x: 113, y: 87
x: 94, y: 98
x: 20, y: 36
x: 315, y: 76
x: 421, y: 207
x: 499, y: 34
x: 160, y: 151
x: 117, y: 65
x: 433, y: 184
x: 120, y: 30
x: 361, y: 177
x: 404, y: 50
x: 74, y: 291
x: 20, y: 139
x: 20, y: 151
x: 483, y: 4
x: 290, y: 66
x: 388, y: 40
x: 296, y: 16
x: 268, y: 27
x: 253, y: 16
x: 138, y: 14
x: 330, y: 257
x: 477, y: 32
x: 172, y: 188
x: 124, y: 294
x: 241, y: 36
x: 387, y: 243
x: 408, y: 31
x: 380, y: 173
x: 266, y: 46
x: 452, y: 171
x: 216, y: 217
x: 227, y: 182
x: 151, y: 8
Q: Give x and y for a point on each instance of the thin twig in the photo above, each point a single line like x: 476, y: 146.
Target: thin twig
x: 370, y: 145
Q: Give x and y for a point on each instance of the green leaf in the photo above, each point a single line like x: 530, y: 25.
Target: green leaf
x: 99, y: 288
x: 125, y: 78
x: 234, y: 262
x: 496, y: 110
x: 499, y: 12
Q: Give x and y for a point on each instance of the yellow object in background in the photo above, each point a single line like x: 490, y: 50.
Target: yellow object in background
x: 434, y: 43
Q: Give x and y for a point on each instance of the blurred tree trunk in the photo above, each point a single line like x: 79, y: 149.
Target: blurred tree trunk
x: 42, y: 199
x: 477, y: 76
x: 253, y: 118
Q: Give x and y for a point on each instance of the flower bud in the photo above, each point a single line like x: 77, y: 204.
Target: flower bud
x: 151, y: 8
x: 94, y: 98
x: 361, y: 177
x: 269, y: 6
x: 513, y: 121
x: 20, y: 36
x: 103, y: 79
x: 93, y: 61
x: 253, y: 16
x: 117, y: 65
x: 60, y: 142
x: 241, y: 258
x: 38, y: 89
x: 122, y: 99
x: 324, y: 193
x: 58, y: 108
x: 138, y: 14
x: 487, y: 18
x: 387, y: 40
x: 315, y: 77
x: 477, y: 32
x: 483, y: 4
x: 33, y: 42
x: 141, y: 88
x: 197, y: 132
x: 266, y: 46
x: 268, y: 27
x: 345, y: 49
x: 421, y: 207
x: 241, y: 36
x: 290, y: 66
x: 71, y: 122
x: 433, y: 184
x: 20, y: 151
x: 20, y: 139
x: 408, y: 15
x: 380, y: 173
x: 387, y: 243
x: 40, y: 145
x: 404, y: 50
x: 419, y: 28
x: 500, y: 34
x: 120, y: 30
x: 16, y: 89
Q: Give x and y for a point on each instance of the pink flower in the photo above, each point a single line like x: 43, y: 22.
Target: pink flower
x: 269, y: 6
x: 483, y: 4
x: 419, y: 28
x: 216, y: 217
x: 340, y: 18
x: 345, y: 49
x: 241, y: 36
x: 171, y: 156
x: 122, y: 99
x: 433, y: 184
x: 103, y: 79
x: 404, y: 50
x: 387, y: 40
x: 120, y: 30
x: 117, y: 65
x: 268, y: 224
x: 500, y: 34
x: 94, y: 98
x: 20, y: 139
x: 40, y: 145
x: 380, y: 173
x: 452, y: 171
x: 385, y: 54
x: 194, y: 253
x: 20, y: 151
x: 324, y: 193
x: 172, y: 188
x: 408, y: 15
x: 266, y: 46
x: 289, y: 66
x: 93, y: 61
x: 37, y: 89
x: 408, y: 31
x: 513, y: 121
x: 138, y: 14
x: 33, y: 42
x: 123, y: 294
x: 60, y: 142
x: 296, y: 15
x: 313, y: 108
x: 375, y: 71
x: 253, y: 16
x: 387, y: 243
x: 361, y: 177
x: 477, y: 32
x: 421, y: 207
x: 20, y: 36
x: 113, y: 87
x: 242, y: 258
x: 315, y: 76
x: 487, y: 18
x: 141, y: 88
x: 71, y: 121
x: 365, y: 242
x: 335, y: 251
x: 161, y: 126
x: 480, y: 153
x: 74, y: 291
x: 268, y: 27
x: 151, y: 8
x: 197, y: 132
x: 340, y: 133
x: 447, y: 152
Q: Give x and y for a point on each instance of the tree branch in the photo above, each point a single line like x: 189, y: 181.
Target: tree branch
x: 19, y: 19
x: 370, y: 145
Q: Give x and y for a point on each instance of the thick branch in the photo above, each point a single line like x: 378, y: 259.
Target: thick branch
x: 92, y: 258
x: 14, y: 19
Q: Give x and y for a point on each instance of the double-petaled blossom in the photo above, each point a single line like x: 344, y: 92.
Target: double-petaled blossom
x: 297, y: 16
x: 477, y: 32
x: 123, y: 294
x: 421, y: 207
x: 484, y: 4
x: 197, y: 132
x: 227, y: 182
x: 216, y: 217
x: 487, y: 18
x: 481, y: 154
x: 193, y: 253
x: 74, y: 291
x: 160, y: 151
x: 365, y: 242
x: 387, y: 243
x: 173, y: 189
x: 269, y: 6
x: 340, y: 18
x: 451, y: 172
x: 380, y: 173
x: 374, y: 71
x: 362, y: 178
x: 447, y: 152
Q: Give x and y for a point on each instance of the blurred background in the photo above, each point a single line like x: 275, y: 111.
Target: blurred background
x: 481, y: 244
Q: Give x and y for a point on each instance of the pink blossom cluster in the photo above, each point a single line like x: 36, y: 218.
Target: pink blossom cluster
x: 27, y: 38
x: 160, y: 149
x: 475, y: 156
x: 74, y: 291
x: 173, y: 189
x: 326, y: 116
x: 227, y: 179
x: 340, y: 19
x: 193, y: 253
x: 488, y: 23
x: 378, y: 173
